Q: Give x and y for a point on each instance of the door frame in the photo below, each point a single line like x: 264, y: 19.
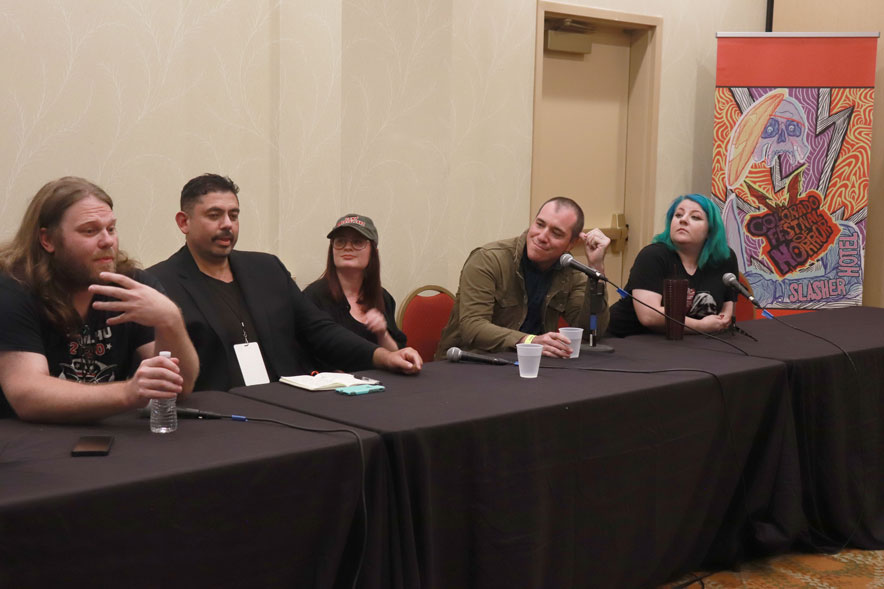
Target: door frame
x: 643, y: 112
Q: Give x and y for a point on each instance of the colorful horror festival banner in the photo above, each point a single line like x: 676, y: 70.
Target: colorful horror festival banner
x: 790, y: 169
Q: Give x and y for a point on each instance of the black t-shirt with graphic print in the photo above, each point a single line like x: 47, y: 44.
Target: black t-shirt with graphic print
x: 99, y: 353
x: 654, y: 264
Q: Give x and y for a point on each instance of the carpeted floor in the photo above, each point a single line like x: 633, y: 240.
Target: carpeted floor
x: 848, y: 569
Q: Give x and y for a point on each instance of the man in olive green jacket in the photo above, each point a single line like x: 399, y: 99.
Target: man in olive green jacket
x: 514, y: 291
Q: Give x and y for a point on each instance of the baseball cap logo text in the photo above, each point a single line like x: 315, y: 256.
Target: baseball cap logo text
x: 349, y: 220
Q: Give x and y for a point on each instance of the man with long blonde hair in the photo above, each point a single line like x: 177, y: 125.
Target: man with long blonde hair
x: 76, y: 316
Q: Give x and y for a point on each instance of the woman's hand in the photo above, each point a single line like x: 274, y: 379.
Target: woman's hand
x: 375, y: 322
x: 713, y: 323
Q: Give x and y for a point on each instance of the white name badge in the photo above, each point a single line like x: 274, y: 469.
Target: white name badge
x: 251, y: 363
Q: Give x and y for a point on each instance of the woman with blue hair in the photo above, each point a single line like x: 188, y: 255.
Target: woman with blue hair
x: 692, y: 246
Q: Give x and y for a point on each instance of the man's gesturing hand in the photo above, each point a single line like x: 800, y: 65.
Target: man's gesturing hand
x: 135, y: 302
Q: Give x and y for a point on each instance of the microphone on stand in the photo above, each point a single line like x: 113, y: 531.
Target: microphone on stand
x: 457, y: 355
x: 568, y: 260
x: 730, y: 280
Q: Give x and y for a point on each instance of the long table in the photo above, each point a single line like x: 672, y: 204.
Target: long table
x: 215, y: 504
x: 614, y: 470
x: 581, y: 477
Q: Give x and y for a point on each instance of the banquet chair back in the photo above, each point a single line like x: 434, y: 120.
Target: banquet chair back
x: 422, y: 317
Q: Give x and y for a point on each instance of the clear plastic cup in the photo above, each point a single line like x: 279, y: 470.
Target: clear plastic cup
x: 575, y: 334
x: 529, y: 359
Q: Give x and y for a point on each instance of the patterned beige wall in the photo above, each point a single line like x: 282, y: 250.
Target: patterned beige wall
x: 415, y: 112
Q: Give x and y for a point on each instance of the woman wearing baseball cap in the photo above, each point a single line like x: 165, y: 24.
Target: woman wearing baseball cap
x: 350, y: 288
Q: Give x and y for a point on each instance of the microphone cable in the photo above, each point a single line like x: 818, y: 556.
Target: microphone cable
x: 199, y: 414
x: 862, y: 451
x: 624, y: 294
x: 811, y: 463
x: 695, y: 578
x: 855, y: 372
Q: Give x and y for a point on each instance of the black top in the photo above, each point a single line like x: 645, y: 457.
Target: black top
x: 99, y: 353
x: 236, y: 322
x: 319, y: 293
x: 654, y: 264
x: 536, y: 287
x: 232, y: 311
x: 292, y: 332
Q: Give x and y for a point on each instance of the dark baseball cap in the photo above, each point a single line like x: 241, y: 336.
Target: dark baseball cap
x: 360, y: 223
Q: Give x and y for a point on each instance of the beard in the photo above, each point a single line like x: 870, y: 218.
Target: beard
x: 76, y: 273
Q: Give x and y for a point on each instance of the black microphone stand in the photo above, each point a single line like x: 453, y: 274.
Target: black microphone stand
x: 592, y: 345
x: 734, y: 328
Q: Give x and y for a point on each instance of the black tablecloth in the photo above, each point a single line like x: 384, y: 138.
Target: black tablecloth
x: 216, y: 503
x: 580, y: 478
x: 599, y: 473
x: 839, y: 413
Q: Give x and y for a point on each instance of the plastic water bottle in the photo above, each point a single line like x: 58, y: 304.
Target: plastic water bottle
x: 163, y: 414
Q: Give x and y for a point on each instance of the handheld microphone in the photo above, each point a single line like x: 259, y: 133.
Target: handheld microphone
x: 568, y: 260
x: 457, y: 355
x: 186, y: 413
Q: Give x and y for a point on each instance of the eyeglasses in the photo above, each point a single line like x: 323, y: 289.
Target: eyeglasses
x: 357, y: 243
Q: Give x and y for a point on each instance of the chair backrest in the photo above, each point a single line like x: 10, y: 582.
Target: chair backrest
x: 422, y: 317
x: 744, y: 310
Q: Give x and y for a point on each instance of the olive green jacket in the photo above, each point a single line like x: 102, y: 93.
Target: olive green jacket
x: 492, y: 303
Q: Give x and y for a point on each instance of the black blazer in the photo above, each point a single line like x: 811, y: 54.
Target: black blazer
x: 288, y: 324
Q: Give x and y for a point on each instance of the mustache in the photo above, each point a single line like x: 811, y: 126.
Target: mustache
x: 223, y: 235
x: 106, y: 254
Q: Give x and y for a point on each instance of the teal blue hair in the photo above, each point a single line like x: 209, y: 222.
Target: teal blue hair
x: 715, y: 249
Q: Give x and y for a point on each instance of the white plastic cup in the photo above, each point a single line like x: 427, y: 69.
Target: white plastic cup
x: 575, y: 334
x: 529, y: 359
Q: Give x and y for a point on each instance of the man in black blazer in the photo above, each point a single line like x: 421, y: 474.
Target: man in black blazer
x: 230, y: 298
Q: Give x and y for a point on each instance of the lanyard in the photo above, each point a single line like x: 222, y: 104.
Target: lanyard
x: 222, y: 293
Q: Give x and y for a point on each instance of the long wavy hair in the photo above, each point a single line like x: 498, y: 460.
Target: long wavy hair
x: 371, y: 295
x: 25, y: 259
x: 715, y: 249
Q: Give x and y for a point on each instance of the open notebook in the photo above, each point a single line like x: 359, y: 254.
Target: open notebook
x: 325, y: 381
